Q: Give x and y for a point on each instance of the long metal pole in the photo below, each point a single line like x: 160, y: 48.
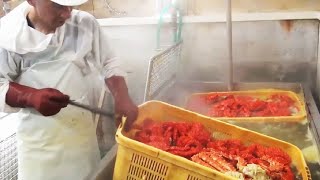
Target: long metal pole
x: 229, y: 36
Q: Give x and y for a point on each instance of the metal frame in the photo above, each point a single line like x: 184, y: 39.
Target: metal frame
x: 313, y: 114
x: 162, y: 71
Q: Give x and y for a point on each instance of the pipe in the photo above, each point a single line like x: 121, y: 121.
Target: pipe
x: 174, y: 19
x: 229, y: 43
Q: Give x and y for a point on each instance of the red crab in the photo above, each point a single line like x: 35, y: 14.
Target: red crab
x: 193, y: 141
x: 180, y: 138
x: 226, y: 105
x: 275, y: 161
x: 219, y: 160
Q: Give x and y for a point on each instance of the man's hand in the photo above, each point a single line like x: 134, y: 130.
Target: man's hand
x: 123, y: 103
x: 46, y: 101
x: 125, y: 107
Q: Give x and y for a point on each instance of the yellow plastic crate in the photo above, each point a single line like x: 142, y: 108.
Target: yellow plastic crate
x: 262, y: 94
x: 136, y: 160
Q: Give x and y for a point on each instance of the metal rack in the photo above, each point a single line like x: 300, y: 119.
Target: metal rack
x: 162, y: 71
x: 8, y: 158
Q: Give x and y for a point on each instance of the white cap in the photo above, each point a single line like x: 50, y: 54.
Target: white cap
x: 69, y: 2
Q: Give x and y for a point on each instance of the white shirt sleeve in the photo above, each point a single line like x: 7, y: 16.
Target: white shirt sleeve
x: 104, y: 55
x: 9, y: 71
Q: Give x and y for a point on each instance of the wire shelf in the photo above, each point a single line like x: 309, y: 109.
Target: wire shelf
x: 162, y: 71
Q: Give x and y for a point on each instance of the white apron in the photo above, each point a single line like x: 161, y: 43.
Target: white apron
x: 63, y: 146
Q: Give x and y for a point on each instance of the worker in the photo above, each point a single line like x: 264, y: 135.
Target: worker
x: 51, y: 54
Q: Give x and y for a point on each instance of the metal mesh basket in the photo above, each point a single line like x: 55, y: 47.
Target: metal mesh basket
x: 8, y: 158
x: 162, y: 71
